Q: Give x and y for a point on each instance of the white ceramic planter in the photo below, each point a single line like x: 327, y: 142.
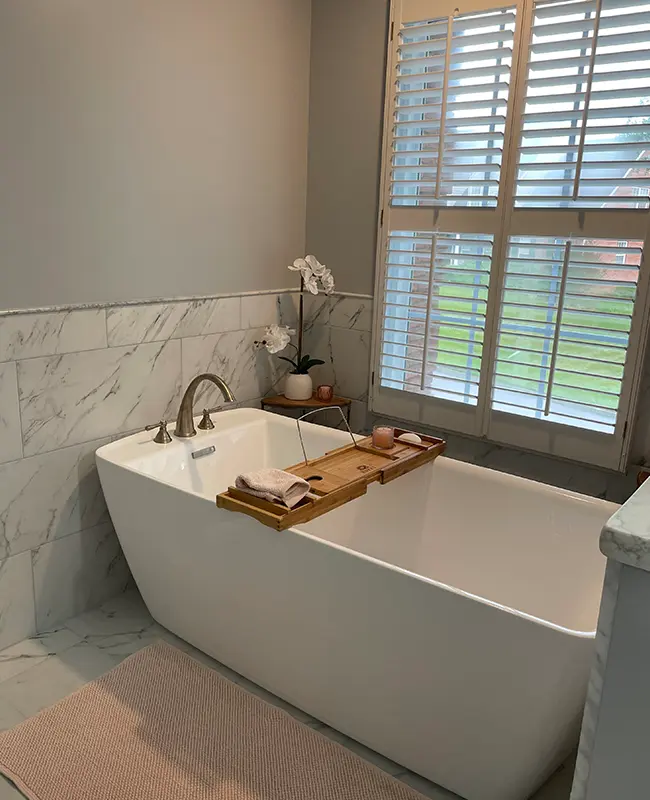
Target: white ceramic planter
x: 298, y: 387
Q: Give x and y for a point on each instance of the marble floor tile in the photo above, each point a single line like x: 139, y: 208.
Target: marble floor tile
x: 31, y: 652
x: 425, y: 787
x: 9, y: 716
x: 55, y: 678
x: 8, y: 791
x: 559, y: 786
x: 122, y: 615
x: 361, y: 750
x: 263, y: 694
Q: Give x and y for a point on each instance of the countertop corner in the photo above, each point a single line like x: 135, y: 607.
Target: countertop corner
x: 626, y: 535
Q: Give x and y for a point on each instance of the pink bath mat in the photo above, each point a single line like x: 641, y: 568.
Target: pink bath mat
x: 161, y: 726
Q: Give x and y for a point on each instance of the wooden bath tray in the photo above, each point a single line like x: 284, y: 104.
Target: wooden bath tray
x: 336, y: 478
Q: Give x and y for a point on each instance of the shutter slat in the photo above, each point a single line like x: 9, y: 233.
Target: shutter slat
x: 606, y: 139
x: 596, y: 332
x: 452, y: 89
x: 447, y: 302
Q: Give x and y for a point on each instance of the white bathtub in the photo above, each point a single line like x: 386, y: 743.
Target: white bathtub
x: 445, y: 620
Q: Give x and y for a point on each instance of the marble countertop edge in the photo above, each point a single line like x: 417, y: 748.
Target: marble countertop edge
x: 626, y: 535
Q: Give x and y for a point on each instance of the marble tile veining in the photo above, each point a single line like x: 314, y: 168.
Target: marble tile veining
x: 55, y: 678
x: 248, y: 371
x: 158, y: 322
x: 16, y: 600
x: 346, y: 354
x: 34, y: 335
x: 77, y: 572
x: 48, y: 496
x: 11, y: 446
x: 31, y: 652
x: 69, y: 399
x: 626, y: 537
x: 350, y: 312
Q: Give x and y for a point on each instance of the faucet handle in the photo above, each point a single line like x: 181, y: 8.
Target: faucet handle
x: 206, y: 423
x: 162, y: 437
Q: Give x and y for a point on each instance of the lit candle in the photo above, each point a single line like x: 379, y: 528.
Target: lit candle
x: 383, y: 437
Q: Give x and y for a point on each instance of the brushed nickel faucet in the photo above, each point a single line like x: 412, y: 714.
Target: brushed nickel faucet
x: 185, y: 421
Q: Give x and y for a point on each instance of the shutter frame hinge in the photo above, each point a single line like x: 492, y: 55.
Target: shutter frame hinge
x: 625, y: 427
x: 392, y: 30
x: 381, y: 219
x: 372, y: 379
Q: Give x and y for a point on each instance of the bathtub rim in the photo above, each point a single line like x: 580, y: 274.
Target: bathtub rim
x: 364, y: 556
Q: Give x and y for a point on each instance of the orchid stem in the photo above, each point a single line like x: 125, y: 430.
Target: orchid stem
x: 301, y: 312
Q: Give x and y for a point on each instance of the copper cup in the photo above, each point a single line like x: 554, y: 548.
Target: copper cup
x: 325, y: 393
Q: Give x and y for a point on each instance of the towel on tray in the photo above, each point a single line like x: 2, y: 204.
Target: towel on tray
x: 274, y: 485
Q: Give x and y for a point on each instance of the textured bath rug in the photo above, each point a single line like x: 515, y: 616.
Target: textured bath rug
x: 161, y: 726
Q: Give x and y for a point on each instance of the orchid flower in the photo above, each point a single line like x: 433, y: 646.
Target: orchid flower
x: 277, y: 337
x: 312, y: 272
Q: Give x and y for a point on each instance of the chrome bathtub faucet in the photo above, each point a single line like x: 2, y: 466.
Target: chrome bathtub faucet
x: 185, y: 421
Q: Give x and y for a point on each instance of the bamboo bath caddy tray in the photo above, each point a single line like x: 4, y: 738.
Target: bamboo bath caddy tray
x: 336, y: 478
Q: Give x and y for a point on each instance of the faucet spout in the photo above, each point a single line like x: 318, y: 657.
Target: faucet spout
x: 185, y: 421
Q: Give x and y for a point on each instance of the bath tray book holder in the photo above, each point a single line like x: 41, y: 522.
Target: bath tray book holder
x: 336, y: 478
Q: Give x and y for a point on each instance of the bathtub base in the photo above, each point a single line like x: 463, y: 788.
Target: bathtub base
x: 480, y: 699
x: 385, y: 659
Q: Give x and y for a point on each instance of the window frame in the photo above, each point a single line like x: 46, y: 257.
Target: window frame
x: 609, y: 451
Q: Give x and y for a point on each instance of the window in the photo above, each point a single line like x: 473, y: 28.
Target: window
x: 516, y: 188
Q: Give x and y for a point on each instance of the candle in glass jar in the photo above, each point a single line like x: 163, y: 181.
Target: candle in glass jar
x: 383, y: 437
x: 325, y: 393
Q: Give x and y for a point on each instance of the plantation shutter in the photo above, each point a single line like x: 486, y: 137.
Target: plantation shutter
x: 435, y: 304
x: 451, y: 98
x: 586, y: 133
x: 449, y: 86
x: 512, y: 284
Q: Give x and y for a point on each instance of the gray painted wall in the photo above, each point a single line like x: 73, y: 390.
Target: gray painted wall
x: 348, y: 54
x: 619, y: 766
x: 150, y: 148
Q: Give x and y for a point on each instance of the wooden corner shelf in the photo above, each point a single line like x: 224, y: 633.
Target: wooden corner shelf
x: 336, y: 478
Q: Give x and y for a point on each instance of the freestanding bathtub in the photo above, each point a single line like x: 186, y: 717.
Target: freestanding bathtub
x: 446, y: 620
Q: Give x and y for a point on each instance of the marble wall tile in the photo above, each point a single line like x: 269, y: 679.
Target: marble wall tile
x: 16, y: 600
x: 11, y: 446
x: 249, y: 372
x: 160, y: 321
x: 49, y: 496
x: 351, y: 312
x: 51, y: 333
x: 347, y: 356
x: 76, y: 573
x: 317, y: 309
x: 258, y: 311
x: 75, y: 398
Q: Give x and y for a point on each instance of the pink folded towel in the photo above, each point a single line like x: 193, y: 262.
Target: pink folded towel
x: 274, y: 485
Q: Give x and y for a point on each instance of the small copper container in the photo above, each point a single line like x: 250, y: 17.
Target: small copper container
x: 325, y: 393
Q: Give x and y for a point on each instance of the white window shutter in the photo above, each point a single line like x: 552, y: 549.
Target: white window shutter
x: 450, y: 104
x: 514, y: 296
x: 586, y: 125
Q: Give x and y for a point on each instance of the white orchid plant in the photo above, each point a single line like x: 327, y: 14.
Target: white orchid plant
x: 313, y: 277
